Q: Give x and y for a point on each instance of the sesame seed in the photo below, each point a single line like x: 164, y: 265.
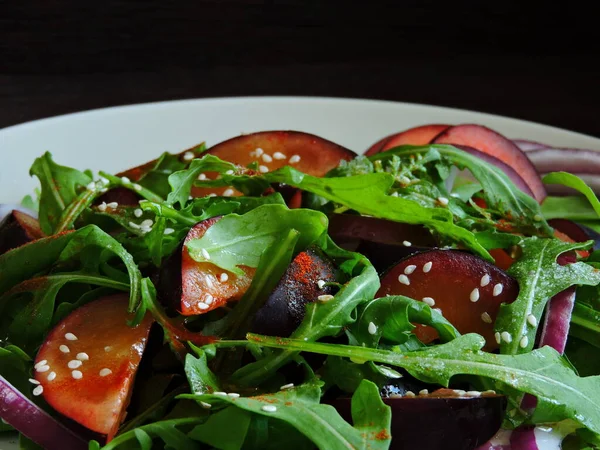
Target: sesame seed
x: 409, y: 269
x: 497, y: 290
x: 395, y: 395
x: 145, y: 229
x: 474, y: 295
x: 423, y: 392
x: 212, y: 194
x: 202, y: 177
x: 102, y: 207
x: 279, y: 155
x: 74, y: 364
x: 437, y: 310
x: 51, y: 376
x: 485, y: 280
x: 286, y: 386
x: 108, y: 348
x: 406, y: 243
x: 321, y: 284
x: 205, y: 253
x: 228, y: 192
x: 204, y: 404
x: 91, y: 186
x: 325, y: 298
x: 147, y: 223
x: 372, y: 328
x: 489, y: 392
x: 259, y: 151
x: 202, y: 306
x: 537, y: 218
x: 70, y: 337
x: 506, y: 337
x: 125, y: 180
x: 43, y: 362
x: 229, y: 172
x: 294, y: 159
x: 223, y: 277
x: 531, y: 320
x: 104, y: 181
x: 524, y: 342
x: 105, y: 372
x: 442, y: 201
x: 233, y: 395
x: 269, y: 408
x: 263, y: 169
x: 427, y: 266
x: 486, y: 317
x: 222, y: 394
x: 474, y: 393
x: 404, y: 280
x: 113, y: 205
x: 63, y: 348
x: 169, y: 231
x: 267, y: 158
x: 38, y: 390
x: 404, y: 180
x: 459, y: 392
x: 34, y: 381
x: 134, y: 225
x: 42, y: 369
x: 409, y: 394
x: 137, y: 187
x: 188, y: 156
x: 208, y: 299
x: 429, y: 301
x: 77, y: 374
x: 395, y: 194
x: 497, y: 337
x: 82, y: 356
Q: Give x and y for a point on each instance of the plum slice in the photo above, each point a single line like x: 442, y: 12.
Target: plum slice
x: 467, y: 290
x: 492, y: 143
x: 18, y: 228
x: 87, y: 364
x: 421, y: 135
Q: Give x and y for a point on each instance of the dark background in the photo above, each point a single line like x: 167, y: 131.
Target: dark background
x: 530, y: 60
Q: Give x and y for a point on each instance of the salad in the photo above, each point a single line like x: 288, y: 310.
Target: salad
x: 277, y: 290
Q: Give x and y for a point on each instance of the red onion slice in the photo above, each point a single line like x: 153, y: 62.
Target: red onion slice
x: 523, y: 438
x: 527, y: 146
x: 26, y: 417
x: 566, y: 159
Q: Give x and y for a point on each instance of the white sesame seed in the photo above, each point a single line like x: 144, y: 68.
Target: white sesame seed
x: 486, y: 317
x: 70, y: 337
x: 404, y: 180
x: 82, y: 356
x: 473, y: 393
x: 497, y: 337
x: 506, y: 337
x: 228, y: 192
x: 474, y: 295
x: 38, y: 390
x: 531, y: 320
x: 125, y: 180
x: 212, y: 194
x: 409, y: 269
x: 279, y: 155
x: 34, y: 381
x: 104, y: 181
x: 372, y: 328
x: 286, y: 386
x: 204, y: 404
x: 459, y: 392
x: 269, y: 408
x: 222, y: 394
x: 137, y: 187
x: 395, y: 194
x: 233, y: 395
x: 105, y: 372
x: 406, y: 243
x: 169, y: 231
x: 205, y: 253
x: 147, y: 223
x: 485, y: 280
x: 429, y: 301
x: 267, y: 158
x: 43, y: 362
x: 404, y: 279
x: 202, y: 177
x: 497, y: 290
x: 208, y: 299
x: 395, y: 395
x: 294, y: 159
x: 42, y: 369
x: 524, y: 342
x: 321, y: 284
x: 91, y: 186
x: 423, y: 392
x: 263, y: 169
x: 51, y: 376
x: 74, y: 364
x: 427, y: 266
x: 409, y: 394
x: 113, y: 205
x: 102, y: 207
x: 63, y: 348
x: 77, y: 374
x: 229, y: 172
x: 108, y: 348
x: 259, y: 151
x: 188, y: 156
x: 202, y: 306
x: 437, y: 310
x: 442, y: 201
x: 489, y: 392
x: 324, y: 298
x: 223, y: 277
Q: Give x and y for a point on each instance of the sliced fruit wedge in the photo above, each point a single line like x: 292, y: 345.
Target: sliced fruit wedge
x: 467, y: 290
x: 18, y: 228
x: 492, y: 143
x: 87, y: 365
x: 422, y: 135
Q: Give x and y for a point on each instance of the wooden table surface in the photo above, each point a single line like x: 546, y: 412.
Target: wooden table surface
x: 526, y: 60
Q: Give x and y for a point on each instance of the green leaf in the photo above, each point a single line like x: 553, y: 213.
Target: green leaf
x: 573, y: 181
x: 561, y: 393
x: 200, y: 377
x: 60, y: 187
x: 576, y: 208
x: 540, y: 277
x: 224, y: 430
x: 494, y: 239
x: 240, y: 240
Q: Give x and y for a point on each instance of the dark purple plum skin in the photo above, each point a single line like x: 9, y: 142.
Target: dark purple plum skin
x: 429, y: 423
x: 17, y: 229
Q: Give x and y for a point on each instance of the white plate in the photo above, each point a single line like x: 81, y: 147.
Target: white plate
x: 113, y: 139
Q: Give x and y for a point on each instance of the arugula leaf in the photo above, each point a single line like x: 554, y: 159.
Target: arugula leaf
x: 60, y: 187
x: 540, y: 277
x: 576, y: 208
x: 573, y: 181
x: 14, y: 366
x: 226, y: 429
x: 300, y: 408
x: 543, y: 372
x: 241, y: 239
x: 201, y: 379
x: 494, y: 239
